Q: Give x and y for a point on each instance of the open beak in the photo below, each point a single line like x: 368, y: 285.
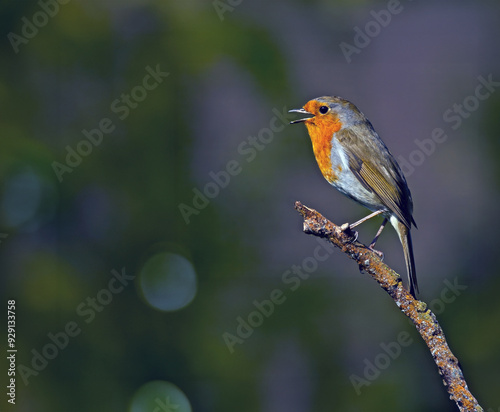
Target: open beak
x: 300, y: 111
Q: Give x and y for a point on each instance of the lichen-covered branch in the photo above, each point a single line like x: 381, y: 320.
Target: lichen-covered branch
x: 425, y: 321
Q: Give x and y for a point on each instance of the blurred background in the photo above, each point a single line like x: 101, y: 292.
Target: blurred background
x: 147, y: 184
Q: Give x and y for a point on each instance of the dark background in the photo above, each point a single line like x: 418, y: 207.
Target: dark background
x: 232, y: 65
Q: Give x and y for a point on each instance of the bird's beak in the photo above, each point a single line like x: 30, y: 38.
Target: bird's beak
x: 300, y: 111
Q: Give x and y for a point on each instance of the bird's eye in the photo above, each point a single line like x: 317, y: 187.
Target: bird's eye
x: 323, y: 109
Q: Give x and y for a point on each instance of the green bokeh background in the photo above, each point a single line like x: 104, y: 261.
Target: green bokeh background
x: 230, y: 70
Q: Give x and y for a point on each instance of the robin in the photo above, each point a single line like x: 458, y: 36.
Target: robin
x: 354, y: 160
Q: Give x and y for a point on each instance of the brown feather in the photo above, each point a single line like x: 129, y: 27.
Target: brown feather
x: 376, y: 169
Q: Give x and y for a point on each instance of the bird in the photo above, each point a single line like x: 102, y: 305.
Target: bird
x: 354, y: 159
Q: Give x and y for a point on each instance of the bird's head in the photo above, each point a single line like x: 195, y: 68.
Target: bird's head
x: 326, y: 116
x: 328, y: 112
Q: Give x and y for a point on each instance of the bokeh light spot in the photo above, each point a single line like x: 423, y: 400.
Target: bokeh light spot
x: 159, y: 396
x: 168, y: 282
x: 21, y: 198
x: 27, y: 200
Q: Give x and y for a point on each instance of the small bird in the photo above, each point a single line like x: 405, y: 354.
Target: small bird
x: 354, y: 160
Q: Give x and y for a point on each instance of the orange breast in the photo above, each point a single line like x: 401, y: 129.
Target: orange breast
x: 321, y: 130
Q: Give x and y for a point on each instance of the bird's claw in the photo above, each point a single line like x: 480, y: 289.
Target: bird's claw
x: 346, y: 228
x: 377, y: 252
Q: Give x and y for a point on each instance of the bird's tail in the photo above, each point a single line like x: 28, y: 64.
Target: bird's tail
x: 405, y: 238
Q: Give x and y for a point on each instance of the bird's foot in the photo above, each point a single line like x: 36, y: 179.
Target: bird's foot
x: 377, y: 252
x: 347, y: 228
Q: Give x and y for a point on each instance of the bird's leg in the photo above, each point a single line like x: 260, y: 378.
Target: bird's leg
x: 347, y: 226
x: 353, y: 225
x: 372, y: 245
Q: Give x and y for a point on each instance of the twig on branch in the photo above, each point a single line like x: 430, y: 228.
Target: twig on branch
x: 425, y: 321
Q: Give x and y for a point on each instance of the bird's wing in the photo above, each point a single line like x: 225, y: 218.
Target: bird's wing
x: 377, y: 170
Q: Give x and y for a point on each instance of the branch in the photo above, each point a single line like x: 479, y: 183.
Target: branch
x: 425, y: 321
